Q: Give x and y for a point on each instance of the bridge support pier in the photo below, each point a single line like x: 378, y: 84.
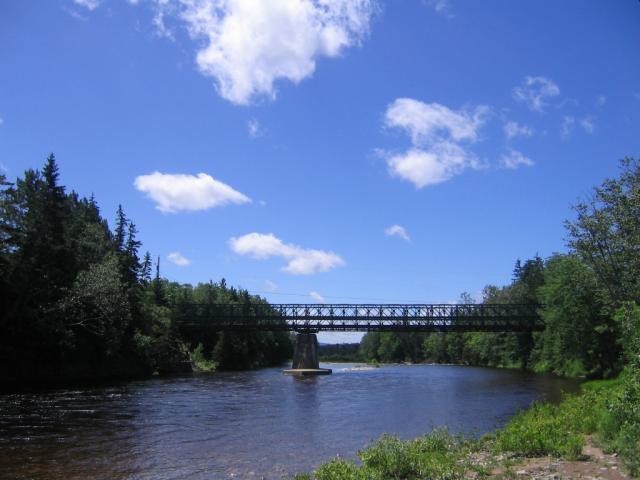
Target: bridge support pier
x: 305, y: 357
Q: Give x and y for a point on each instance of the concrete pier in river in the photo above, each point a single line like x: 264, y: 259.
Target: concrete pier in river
x: 305, y: 357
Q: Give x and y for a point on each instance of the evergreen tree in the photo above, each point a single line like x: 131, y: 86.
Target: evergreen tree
x: 145, y: 269
x: 121, y: 229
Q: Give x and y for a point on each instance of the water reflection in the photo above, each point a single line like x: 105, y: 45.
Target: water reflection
x: 248, y: 424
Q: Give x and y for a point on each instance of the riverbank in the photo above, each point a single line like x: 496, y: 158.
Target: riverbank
x: 582, y: 437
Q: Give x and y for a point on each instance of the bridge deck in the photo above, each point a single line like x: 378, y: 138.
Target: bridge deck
x: 367, y: 317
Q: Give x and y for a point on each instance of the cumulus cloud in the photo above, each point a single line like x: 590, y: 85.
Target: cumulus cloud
x: 300, y: 261
x: 535, y: 92
x: 88, y: 4
x: 397, y: 231
x: 178, y: 259
x: 514, y: 129
x: 247, y: 45
x: 317, y: 297
x: 601, y: 100
x: 438, y: 136
x: 175, y: 192
x: 514, y: 159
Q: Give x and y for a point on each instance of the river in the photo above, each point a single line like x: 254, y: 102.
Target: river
x: 251, y: 424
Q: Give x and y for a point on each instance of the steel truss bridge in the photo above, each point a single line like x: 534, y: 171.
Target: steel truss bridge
x: 312, y: 318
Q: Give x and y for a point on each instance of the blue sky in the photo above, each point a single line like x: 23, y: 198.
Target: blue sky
x: 372, y: 151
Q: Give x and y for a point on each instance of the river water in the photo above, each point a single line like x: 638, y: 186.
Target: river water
x: 244, y: 425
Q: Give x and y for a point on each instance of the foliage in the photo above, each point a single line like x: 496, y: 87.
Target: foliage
x: 621, y: 431
x: 79, y: 303
x: 547, y: 429
x: 340, y: 470
x: 437, y: 455
x: 606, y: 234
x: 579, y: 338
x: 340, y: 352
x: 199, y: 360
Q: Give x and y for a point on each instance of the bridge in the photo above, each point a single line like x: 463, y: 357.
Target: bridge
x: 308, y: 319
x: 313, y: 318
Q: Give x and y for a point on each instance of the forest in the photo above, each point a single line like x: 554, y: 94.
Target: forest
x: 80, y: 302
x: 585, y: 296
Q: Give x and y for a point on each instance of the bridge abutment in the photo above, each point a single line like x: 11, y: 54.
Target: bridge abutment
x: 305, y: 357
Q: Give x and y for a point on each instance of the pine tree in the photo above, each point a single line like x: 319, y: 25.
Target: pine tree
x: 158, y: 289
x: 121, y: 228
x: 132, y: 261
x: 145, y: 268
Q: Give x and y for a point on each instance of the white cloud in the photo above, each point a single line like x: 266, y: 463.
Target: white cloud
x: 442, y: 7
x: 587, y: 124
x: 601, y: 100
x: 437, y: 136
x: 247, y: 45
x: 178, y: 259
x: 255, y: 129
x: 300, y: 261
x: 568, y: 122
x: 514, y: 159
x: 427, y: 122
x: 535, y: 91
x: 88, y: 4
x: 397, y: 231
x: 514, y: 129
x: 174, y: 192
x: 270, y: 286
x: 166, y: 10
x: 317, y: 297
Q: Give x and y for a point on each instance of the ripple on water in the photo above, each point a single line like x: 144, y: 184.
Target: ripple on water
x: 257, y: 424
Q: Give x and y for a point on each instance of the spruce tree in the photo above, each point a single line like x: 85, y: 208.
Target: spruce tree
x: 121, y: 229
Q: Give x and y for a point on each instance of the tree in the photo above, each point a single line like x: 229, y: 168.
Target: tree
x: 606, y: 234
x: 145, y: 269
x: 579, y: 338
x: 97, y: 309
x: 121, y: 229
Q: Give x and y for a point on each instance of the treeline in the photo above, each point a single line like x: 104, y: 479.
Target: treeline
x: 339, y: 352
x: 78, y: 301
x: 584, y: 292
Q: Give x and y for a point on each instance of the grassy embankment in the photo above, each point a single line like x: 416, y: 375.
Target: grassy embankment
x: 607, y: 409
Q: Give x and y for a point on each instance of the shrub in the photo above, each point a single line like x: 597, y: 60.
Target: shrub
x: 340, y: 470
x: 438, y: 455
x: 199, y: 360
x: 621, y: 427
x: 542, y: 430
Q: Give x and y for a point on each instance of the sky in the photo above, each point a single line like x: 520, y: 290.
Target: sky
x: 362, y: 151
